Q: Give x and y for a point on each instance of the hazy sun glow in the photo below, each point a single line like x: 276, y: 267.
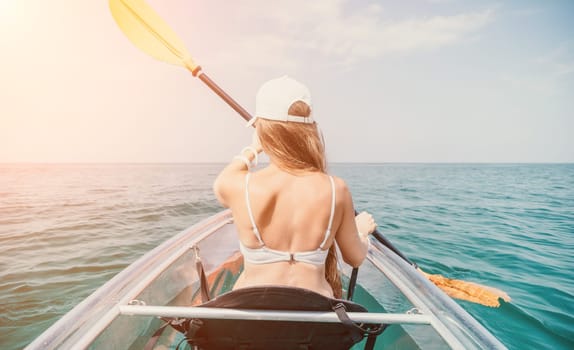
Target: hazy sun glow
x: 13, y: 13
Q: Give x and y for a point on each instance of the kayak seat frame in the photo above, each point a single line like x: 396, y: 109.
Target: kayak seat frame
x: 230, y: 334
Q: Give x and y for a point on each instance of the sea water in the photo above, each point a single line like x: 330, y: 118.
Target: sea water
x: 67, y: 229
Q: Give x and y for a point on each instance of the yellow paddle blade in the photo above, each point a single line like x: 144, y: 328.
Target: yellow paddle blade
x: 146, y: 30
x: 469, y: 291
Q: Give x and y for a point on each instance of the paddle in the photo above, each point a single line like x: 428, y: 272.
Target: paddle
x: 150, y: 33
x: 147, y: 30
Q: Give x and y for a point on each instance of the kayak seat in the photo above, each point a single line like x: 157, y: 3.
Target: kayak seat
x: 227, y: 334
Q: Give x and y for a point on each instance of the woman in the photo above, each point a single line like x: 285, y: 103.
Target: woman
x: 290, y: 214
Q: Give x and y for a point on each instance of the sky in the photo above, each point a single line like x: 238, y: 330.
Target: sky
x: 391, y: 81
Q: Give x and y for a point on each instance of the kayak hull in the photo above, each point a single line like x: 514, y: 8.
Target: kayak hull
x: 121, y: 314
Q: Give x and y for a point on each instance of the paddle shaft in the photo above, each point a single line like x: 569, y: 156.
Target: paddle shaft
x: 228, y: 99
x: 382, y: 239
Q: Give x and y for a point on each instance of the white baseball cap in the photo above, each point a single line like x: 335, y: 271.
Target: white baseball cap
x: 276, y: 96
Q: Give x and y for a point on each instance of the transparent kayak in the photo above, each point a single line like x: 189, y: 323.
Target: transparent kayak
x: 124, y: 313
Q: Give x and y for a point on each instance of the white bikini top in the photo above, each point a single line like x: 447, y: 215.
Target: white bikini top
x: 264, y: 255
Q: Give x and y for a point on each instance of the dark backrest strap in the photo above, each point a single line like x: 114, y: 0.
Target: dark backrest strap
x: 371, y: 332
x: 346, y: 320
x: 342, y: 315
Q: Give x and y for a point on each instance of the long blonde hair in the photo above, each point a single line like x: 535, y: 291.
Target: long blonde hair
x: 297, y: 147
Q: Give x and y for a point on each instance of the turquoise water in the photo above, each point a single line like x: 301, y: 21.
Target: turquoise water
x: 67, y: 229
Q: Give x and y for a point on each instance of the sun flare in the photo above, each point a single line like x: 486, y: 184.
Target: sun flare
x: 11, y: 12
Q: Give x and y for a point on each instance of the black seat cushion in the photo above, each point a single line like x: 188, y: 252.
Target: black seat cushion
x: 222, y: 334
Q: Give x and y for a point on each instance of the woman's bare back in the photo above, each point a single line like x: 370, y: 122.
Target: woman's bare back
x: 292, y: 214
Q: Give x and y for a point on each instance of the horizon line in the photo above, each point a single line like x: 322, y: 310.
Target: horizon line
x: 337, y: 162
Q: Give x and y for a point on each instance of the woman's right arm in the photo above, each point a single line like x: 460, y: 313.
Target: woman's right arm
x: 228, y: 183
x: 352, y: 235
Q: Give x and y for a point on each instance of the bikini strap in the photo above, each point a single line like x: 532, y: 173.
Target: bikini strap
x: 328, y: 233
x: 255, y: 230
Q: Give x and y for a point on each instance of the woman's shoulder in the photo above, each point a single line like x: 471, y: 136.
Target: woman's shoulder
x: 341, y: 188
x: 339, y: 182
